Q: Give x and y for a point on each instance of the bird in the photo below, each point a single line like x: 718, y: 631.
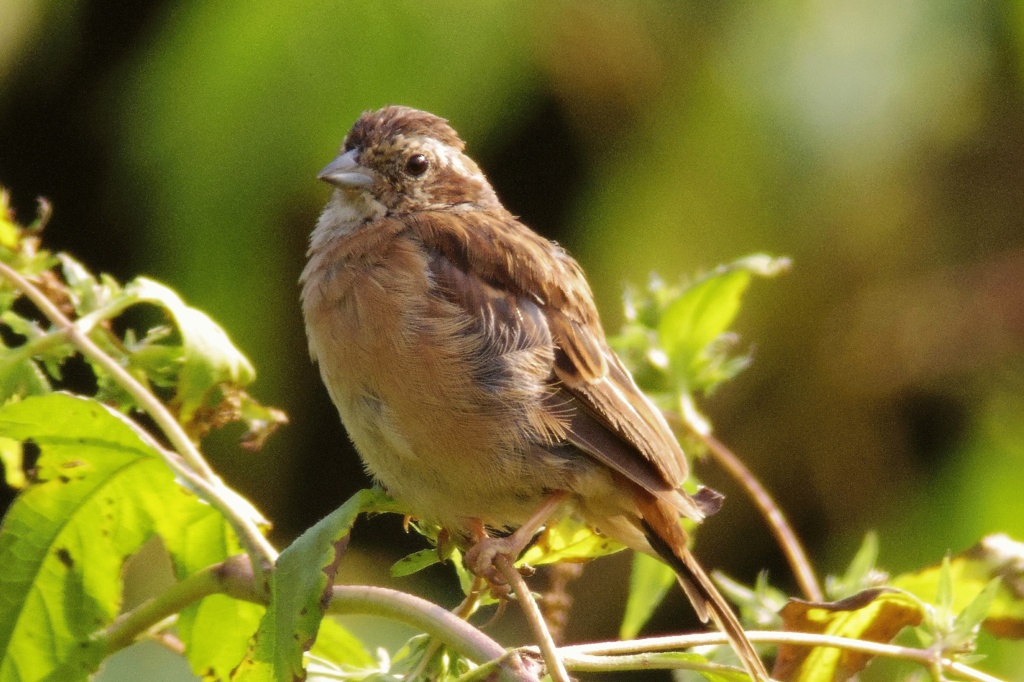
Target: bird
x: 466, y: 359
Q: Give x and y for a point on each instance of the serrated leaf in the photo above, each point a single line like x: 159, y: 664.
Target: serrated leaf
x: 875, y: 615
x: 696, y: 320
x: 100, y: 491
x: 30, y: 329
x: 969, y: 573
x: 20, y: 376
x: 649, y: 582
x: 21, y: 379
x: 208, y: 359
x: 87, y: 293
x: 299, y: 595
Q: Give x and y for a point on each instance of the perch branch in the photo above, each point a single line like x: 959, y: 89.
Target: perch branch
x: 534, y: 617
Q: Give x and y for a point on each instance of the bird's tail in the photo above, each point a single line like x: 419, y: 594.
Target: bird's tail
x: 668, y: 538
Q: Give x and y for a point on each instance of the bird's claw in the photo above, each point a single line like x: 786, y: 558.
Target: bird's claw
x: 480, y: 558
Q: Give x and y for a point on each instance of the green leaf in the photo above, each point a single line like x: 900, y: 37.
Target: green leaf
x: 9, y: 230
x: 87, y: 293
x: 858, y: 575
x: 11, y: 457
x: 216, y: 632
x: 20, y: 377
x: 760, y: 605
x: 570, y: 539
x: 648, y: 584
x: 968, y: 621
x: 414, y: 562
x: 944, y: 611
x: 466, y: 578
x: 442, y: 664
x: 209, y: 357
x: 875, y: 615
x: 299, y: 592
x: 336, y: 644
x: 99, y: 491
x: 691, y: 328
x: 970, y: 573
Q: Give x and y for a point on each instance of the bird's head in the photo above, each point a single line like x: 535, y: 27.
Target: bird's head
x: 402, y: 160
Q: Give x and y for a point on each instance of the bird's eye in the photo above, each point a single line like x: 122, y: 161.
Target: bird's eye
x: 416, y: 165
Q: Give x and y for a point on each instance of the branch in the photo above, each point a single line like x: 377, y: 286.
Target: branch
x: 925, y: 657
x: 432, y: 619
x: 463, y: 611
x: 191, y: 465
x: 556, y: 670
x: 777, y: 523
x: 233, y: 577
x: 647, y: 661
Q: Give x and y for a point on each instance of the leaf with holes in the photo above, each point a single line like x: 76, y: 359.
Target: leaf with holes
x: 98, y: 491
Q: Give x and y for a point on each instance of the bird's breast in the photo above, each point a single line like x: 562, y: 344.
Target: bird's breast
x: 443, y: 411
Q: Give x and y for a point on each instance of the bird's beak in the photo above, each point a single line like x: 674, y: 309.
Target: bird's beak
x: 345, y: 173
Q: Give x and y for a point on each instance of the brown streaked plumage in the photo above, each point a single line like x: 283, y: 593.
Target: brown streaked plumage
x: 466, y: 358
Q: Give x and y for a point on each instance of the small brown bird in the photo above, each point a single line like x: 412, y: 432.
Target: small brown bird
x: 466, y: 358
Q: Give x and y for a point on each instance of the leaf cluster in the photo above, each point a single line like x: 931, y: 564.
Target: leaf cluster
x: 177, y: 350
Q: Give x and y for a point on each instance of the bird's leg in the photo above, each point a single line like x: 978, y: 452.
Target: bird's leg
x: 480, y: 557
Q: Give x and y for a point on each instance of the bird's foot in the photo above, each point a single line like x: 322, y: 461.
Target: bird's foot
x: 480, y: 558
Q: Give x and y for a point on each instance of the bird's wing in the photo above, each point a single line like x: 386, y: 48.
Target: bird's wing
x: 512, y: 272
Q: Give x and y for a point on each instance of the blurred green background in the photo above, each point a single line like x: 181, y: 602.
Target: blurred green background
x: 880, y: 144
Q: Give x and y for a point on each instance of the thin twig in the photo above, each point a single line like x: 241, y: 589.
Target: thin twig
x: 924, y: 657
x: 534, y: 617
x: 646, y: 661
x: 783, y: 532
x: 191, y: 465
